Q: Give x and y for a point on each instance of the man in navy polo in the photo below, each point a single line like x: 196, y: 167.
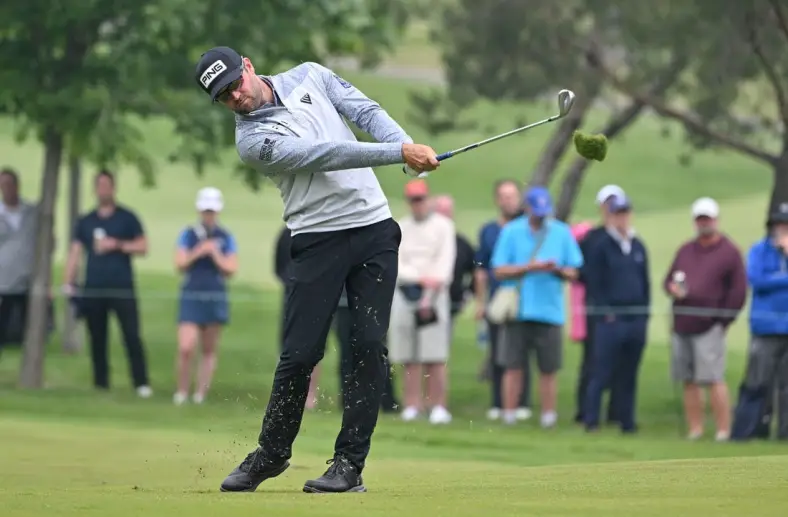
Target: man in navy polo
x: 109, y: 237
x: 617, y: 272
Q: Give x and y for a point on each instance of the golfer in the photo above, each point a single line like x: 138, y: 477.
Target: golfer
x: 289, y: 127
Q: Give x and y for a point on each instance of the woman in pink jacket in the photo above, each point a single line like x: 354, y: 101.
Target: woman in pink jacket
x: 577, y: 294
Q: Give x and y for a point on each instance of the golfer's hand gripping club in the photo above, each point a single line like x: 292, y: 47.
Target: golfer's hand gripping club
x: 419, y: 159
x: 416, y: 174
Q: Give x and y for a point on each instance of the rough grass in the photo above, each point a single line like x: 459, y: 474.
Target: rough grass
x: 69, y: 451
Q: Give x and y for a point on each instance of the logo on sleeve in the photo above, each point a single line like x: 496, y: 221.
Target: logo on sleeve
x: 267, y: 150
x: 306, y: 99
x: 212, y: 72
x: 341, y: 81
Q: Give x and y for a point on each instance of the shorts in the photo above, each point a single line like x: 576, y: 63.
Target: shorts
x: 699, y: 358
x: 203, y: 312
x: 519, y: 339
x: 426, y: 345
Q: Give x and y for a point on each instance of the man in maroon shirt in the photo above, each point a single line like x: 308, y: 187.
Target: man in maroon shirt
x: 708, y: 284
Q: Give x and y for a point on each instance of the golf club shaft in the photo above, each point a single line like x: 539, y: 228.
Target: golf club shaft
x: 449, y: 154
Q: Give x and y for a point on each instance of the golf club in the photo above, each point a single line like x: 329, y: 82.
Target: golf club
x: 566, y: 99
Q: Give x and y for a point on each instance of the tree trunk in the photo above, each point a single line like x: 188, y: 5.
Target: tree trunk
x: 573, y: 179
x: 71, y: 339
x: 780, y: 183
x: 32, y: 372
x: 562, y: 137
x: 574, y: 176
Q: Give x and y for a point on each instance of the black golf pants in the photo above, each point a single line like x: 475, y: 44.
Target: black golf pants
x: 364, y: 260
x: 96, y: 312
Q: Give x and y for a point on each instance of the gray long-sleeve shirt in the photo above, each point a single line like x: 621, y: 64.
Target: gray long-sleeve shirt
x: 306, y: 148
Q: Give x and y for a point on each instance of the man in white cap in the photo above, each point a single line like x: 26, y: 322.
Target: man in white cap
x: 603, y: 197
x: 708, y: 284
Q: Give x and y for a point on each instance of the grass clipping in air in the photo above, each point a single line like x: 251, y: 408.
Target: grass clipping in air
x: 590, y: 147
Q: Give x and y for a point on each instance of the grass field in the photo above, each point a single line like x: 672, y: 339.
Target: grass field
x: 68, y: 451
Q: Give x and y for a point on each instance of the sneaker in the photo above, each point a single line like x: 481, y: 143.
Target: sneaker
x: 410, y: 414
x: 198, y: 398
x: 179, y: 398
x: 549, y: 419
x: 694, y: 435
x: 341, y: 476
x: 144, y: 392
x: 509, y: 416
x: 523, y: 413
x: 247, y: 476
x: 494, y: 413
x: 440, y: 415
x: 722, y: 436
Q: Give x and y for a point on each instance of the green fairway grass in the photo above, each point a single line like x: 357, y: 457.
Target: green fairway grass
x: 68, y: 451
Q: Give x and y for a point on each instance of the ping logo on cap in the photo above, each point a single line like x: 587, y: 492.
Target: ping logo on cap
x: 212, y: 72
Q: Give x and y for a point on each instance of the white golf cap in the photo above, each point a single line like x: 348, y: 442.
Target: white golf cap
x: 607, y: 192
x: 705, y: 206
x: 210, y: 198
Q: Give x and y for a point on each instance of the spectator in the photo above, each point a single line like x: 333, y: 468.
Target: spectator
x: 342, y: 325
x: 767, y: 365
x: 577, y: 293
x: 464, y: 264
x: 617, y: 273
x: 708, y: 284
x: 207, y: 255
x: 508, y: 199
x: 281, y: 263
x: 536, y: 253
x: 18, y: 223
x: 109, y: 236
x: 420, y: 327
x: 603, y: 198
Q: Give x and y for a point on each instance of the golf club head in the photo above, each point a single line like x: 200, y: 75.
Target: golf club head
x: 566, y: 99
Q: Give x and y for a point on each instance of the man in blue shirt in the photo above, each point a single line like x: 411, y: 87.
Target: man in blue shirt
x: 508, y: 198
x: 109, y: 236
x: 536, y: 254
x: 617, y: 273
x: 767, y: 362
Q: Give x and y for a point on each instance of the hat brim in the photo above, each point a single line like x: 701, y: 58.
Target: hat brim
x: 621, y: 209
x: 224, y: 81
x: 542, y: 211
x: 210, y: 207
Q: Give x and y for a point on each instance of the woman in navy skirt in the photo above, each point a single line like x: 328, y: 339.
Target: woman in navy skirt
x: 206, y: 255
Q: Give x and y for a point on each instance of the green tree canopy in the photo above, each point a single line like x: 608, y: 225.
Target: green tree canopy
x: 78, y: 73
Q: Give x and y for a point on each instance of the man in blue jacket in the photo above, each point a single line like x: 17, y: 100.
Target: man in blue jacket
x: 767, y: 273
x: 617, y: 273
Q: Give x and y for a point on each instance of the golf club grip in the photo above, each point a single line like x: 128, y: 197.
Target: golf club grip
x: 440, y: 158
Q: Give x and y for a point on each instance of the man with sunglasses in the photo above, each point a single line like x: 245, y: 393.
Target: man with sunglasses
x: 290, y: 128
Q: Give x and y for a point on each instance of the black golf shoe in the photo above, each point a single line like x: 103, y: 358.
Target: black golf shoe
x: 341, y: 476
x: 247, y: 476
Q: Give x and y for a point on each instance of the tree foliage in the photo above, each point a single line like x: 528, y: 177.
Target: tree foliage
x: 735, y: 94
x: 726, y: 61
x: 79, y: 74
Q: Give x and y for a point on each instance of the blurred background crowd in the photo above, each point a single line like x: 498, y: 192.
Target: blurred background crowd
x: 531, y: 282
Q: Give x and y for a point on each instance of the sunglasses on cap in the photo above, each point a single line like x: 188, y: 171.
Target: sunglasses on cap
x: 224, y: 94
